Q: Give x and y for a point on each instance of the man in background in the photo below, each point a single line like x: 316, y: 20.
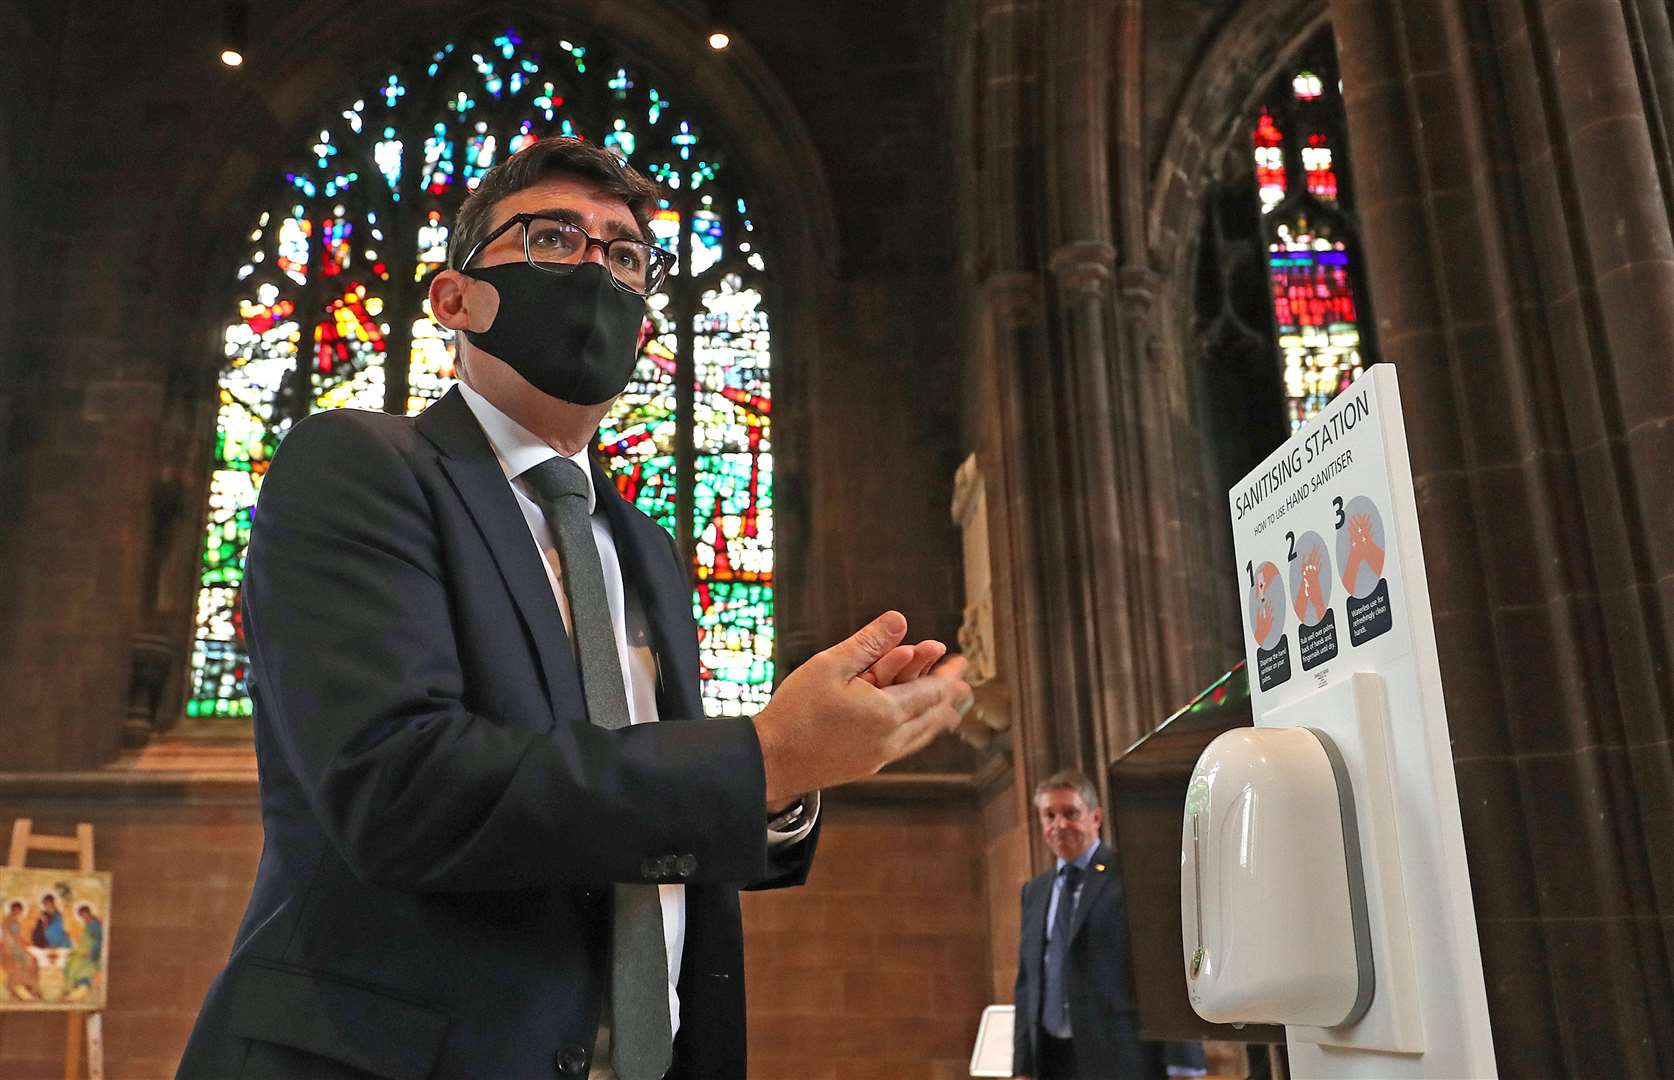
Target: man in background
x: 1077, y: 1015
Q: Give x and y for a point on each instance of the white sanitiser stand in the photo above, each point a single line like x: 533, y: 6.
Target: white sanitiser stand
x: 1323, y: 876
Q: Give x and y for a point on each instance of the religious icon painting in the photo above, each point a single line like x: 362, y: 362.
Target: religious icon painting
x: 54, y: 939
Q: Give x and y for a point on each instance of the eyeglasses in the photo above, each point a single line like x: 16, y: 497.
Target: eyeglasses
x: 558, y: 247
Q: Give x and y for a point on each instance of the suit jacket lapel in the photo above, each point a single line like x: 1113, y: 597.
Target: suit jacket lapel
x: 1101, y: 876
x: 651, y: 572
x: 469, y: 461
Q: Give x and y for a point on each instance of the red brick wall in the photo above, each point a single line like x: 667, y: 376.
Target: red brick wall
x: 1007, y: 827
x: 181, y: 874
x: 877, y: 968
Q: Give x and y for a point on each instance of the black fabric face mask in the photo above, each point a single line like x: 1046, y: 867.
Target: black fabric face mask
x: 574, y: 336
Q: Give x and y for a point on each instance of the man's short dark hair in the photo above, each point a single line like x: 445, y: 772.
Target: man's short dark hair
x: 1070, y: 780
x: 541, y: 161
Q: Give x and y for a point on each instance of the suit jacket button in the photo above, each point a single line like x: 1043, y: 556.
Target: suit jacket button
x: 665, y: 866
x: 686, y: 865
x: 651, y: 869
x: 571, y: 1060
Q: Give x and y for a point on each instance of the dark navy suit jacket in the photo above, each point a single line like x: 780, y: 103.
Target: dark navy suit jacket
x: 441, y: 821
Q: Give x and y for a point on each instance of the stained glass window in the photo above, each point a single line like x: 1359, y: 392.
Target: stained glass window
x: 1300, y: 160
x: 333, y: 285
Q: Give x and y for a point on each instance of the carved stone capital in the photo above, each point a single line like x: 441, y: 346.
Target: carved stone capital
x: 154, y: 658
x: 1084, y: 267
x: 1139, y: 286
x: 1139, y: 292
x: 1016, y: 296
x: 976, y: 645
x: 990, y: 713
x: 970, y: 513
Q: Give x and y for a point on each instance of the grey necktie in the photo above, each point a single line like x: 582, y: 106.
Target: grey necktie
x: 642, y: 1043
x: 1055, y: 1006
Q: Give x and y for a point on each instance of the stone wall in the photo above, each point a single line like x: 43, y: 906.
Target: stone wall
x: 1523, y: 265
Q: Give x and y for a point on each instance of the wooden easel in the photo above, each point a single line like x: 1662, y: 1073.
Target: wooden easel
x: 84, y: 1024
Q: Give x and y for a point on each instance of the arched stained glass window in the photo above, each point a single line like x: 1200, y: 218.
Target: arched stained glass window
x: 1301, y: 175
x: 333, y: 285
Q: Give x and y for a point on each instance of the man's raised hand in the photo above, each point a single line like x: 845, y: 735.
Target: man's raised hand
x: 856, y: 707
x: 904, y: 663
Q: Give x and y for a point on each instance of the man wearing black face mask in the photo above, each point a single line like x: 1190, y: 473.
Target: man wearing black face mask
x: 501, y: 839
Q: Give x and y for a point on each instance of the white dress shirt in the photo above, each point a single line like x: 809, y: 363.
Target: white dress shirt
x: 518, y: 450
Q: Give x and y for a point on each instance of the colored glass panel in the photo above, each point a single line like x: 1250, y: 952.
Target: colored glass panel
x: 261, y: 351
x: 292, y: 258
x: 1270, y: 161
x: 430, y: 372
x: 1313, y: 308
x: 638, y: 438
x: 706, y: 232
x: 1316, y: 161
x: 349, y: 353
x: 734, y: 496
x: 1309, y: 230
x: 335, y: 284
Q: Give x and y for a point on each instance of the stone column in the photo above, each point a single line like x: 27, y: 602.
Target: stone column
x: 1517, y: 230
x: 1094, y: 634
x: 1122, y: 409
x: 1012, y: 352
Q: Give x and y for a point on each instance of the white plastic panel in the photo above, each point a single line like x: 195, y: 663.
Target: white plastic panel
x: 1353, y: 714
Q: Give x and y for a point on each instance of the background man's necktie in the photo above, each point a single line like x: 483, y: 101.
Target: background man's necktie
x: 642, y: 1043
x: 1054, y: 1007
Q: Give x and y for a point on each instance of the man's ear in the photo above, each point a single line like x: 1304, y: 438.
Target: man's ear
x: 447, y: 299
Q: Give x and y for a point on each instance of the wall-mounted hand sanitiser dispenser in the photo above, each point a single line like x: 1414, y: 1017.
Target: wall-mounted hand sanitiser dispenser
x: 1273, y: 893
x: 1291, y: 888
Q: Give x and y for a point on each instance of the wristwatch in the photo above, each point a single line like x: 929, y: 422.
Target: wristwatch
x: 790, y: 818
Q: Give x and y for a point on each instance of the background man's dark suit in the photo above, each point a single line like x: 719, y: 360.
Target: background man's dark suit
x: 1098, y: 974
x: 440, y: 815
